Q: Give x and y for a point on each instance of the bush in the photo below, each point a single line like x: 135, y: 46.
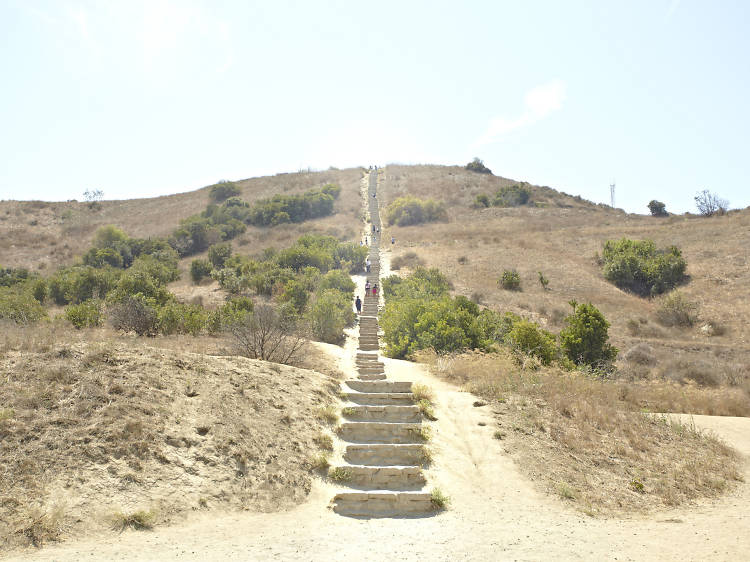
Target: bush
x: 420, y: 314
x: 676, y: 310
x: 19, y: 306
x: 39, y: 290
x: 222, y: 191
x: 482, y: 201
x: 281, y: 209
x: 200, y: 269
x: 543, y: 281
x: 219, y: 253
x: 527, y: 337
x: 10, y: 276
x: 512, y: 196
x: 81, y: 283
x: 638, y: 266
x: 584, y: 340
x: 409, y: 210
x: 710, y: 204
x: 135, y: 313
x: 477, y: 166
x: 657, y: 208
x: 177, y: 318
x: 330, y: 312
x: 510, y: 280
x: 85, y: 315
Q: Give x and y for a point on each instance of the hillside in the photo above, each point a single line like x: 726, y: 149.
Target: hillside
x: 562, y: 237
x: 41, y: 235
x: 96, y: 432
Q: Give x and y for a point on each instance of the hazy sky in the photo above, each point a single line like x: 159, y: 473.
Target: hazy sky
x: 142, y: 98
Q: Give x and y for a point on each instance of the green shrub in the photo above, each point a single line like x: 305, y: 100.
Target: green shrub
x: 80, y: 283
x: 510, y: 280
x: 676, y: 310
x: 657, y: 208
x: 103, y: 257
x: 85, y: 315
x: 223, y: 190
x: 229, y: 280
x: 337, y: 280
x: 638, y: 266
x: 409, y: 210
x: 543, y: 281
x: 177, y: 318
x: 528, y: 337
x: 199, y: 269
x: 584, y: 339
x: 420, y: 314
x: 478, y: 166
x: 512, y: 196
x: 330, y: 312
x: 39, y: 290
x: 19, y: 306
x: 482, y: 201
x: 281, y: 209
x: 232, y: 312
x: 135, y: 313
x: 12, y: 276
x: 219, y: 253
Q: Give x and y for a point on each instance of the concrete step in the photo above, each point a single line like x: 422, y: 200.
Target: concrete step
x: 379, y: 386
x: 404, y: 414
x: 383, y: 504
x: 369, y: 347
x: 380, y: 477
x: 385, y: 455
x: 379, y: 398
x: 372, y: 376
x: 380, y: 432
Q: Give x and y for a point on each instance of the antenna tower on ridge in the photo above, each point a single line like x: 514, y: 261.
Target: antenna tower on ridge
x: 612, y: 193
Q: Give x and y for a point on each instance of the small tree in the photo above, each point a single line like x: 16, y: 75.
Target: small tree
x: 710, y: 204
x: 199, y: 269
x: 543, y: 281
x: 266, y: 334
x: 478, y: 166
x: 219, y: 253
x: 510, y: 280
x: 584, y: 340
x: 223, y: 191
x: 657, y: 208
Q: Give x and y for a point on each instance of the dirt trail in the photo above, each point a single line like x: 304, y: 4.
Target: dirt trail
x: 495, y: 512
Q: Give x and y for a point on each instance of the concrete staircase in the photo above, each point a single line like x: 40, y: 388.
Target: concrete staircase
x: 382, y: 429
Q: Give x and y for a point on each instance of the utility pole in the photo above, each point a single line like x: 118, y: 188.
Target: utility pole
x: 612, y: 193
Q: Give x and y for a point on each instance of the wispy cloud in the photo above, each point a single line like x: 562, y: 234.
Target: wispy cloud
x: 539, y: 102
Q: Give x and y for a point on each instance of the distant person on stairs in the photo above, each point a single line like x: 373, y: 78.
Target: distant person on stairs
x: 358, y: 304
x: 368, y: 263
x: 375, y: 290
x: 367, y: 289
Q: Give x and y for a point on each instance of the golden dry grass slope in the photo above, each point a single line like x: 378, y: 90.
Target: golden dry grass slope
x: 561, y: 236
x: 98, y: 435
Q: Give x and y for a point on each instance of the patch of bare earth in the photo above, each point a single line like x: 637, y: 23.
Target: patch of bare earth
x: 113, y: 435
x: 583, y: 440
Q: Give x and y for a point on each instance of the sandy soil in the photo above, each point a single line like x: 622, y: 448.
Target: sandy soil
x: 495, y: 513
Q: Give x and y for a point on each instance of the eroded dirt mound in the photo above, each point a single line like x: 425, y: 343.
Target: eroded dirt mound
x: 93, y: 430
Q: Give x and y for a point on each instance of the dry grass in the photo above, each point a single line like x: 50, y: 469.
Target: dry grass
x: 562, y: 239
x: 591, y: 436
x: 139, y: 520
x: 112, y: 424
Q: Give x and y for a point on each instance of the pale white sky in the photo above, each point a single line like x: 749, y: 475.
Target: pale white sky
x: 141, y: 98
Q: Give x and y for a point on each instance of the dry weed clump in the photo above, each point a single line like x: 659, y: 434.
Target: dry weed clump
x: 591, y: 435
